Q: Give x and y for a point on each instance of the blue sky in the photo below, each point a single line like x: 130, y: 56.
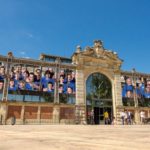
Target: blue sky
x: 30, y: 27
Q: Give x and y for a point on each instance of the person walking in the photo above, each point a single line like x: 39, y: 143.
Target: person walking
x: 128, y: 117
x: 106, y: 117
x: 92, y: 116
x: 122, y: 115
x: 142, y: 117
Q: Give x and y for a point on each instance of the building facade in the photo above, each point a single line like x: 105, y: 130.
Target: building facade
x: 92, y: 84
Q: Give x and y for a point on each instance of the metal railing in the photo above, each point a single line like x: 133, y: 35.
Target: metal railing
x: 1, y: 94
x: 128, y: 101
x: 67, y: 98
x: 142, y: 102
x: 30, y: 96
x: 38, y: 96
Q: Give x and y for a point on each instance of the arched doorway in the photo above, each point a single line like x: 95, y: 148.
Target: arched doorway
x: 98, y: 98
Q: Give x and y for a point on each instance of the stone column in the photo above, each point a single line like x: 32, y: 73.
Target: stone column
x: 22, y: 114
x: 56, y: 114
x: 148, y: 114
x: 118, y: 90
x: 57, y: 69
x: 117, y: 97
x: 80, y: 87
x: 3, y: 113
x: 118, y: 117
x: 80, y: 98
x: 137, y: 116
x: 39, y: 114
x: 6, y: 82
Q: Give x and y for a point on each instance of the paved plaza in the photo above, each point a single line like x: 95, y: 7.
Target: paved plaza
x: 74, y: 137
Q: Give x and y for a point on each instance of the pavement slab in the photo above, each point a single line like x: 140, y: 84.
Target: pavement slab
x: 74, y: 137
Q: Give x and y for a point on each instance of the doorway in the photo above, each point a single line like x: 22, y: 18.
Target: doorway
x: 98, y: 98
x: 98, y: 115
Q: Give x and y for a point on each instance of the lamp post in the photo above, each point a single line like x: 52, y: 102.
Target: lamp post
x: 134, y: 83
x: 7, y: 73
x: 57, y: 69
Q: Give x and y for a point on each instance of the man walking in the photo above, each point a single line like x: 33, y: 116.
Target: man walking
x: 122, y: 115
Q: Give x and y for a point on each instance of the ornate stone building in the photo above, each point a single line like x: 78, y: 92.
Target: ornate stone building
x: 98, y: 89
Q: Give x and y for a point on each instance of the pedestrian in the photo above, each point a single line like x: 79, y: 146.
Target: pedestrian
x: 106, y: 117
x: 113, y: 121
x: 142, y: 117
x: 92, y: 116
x: 122, y: 115
x: 128, y: 117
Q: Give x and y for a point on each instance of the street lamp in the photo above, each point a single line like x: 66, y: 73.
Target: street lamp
x: 7, y: 73
x: 133, y: 72
x: 134, y: 83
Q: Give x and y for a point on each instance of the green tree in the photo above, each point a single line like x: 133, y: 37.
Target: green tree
x: 100, y: 87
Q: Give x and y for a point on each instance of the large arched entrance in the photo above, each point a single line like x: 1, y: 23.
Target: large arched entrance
x: 98, y: 98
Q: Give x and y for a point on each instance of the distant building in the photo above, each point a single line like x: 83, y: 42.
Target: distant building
x: 76, y: 90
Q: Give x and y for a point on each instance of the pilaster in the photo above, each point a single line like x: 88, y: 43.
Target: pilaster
x: 3, y: 113
x: 80, y: 87
x: 39, y: 114
x: 22, y: 114
x: 56, y: 114
x: 117, y: 97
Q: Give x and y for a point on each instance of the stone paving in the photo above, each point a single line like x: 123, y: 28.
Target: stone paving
x: 74, y: 137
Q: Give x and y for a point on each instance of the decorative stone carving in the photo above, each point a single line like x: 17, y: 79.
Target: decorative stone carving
x: 41, y: 57
x: 10, y: 55
x: 98, y: 48
x: 78, y: 49
x: 91, y: 60
x: 98, y: 53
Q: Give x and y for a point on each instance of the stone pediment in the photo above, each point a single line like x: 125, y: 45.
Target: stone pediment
x: 97, y: 53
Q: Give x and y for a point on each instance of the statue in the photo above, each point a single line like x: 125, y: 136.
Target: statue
x: 10, y: 55
x: 99, y: 49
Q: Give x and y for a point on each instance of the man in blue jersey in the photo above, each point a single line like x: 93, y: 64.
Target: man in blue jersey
x: 147, y: 90
x: 12, y: 86
x: 2, y: 72
x: 127, y: 87
x: 69, y: 82
x: 30, y: 85
x: 142, y: 86
x: 127, y: 91
x: 148, y: 84
x: 146, y: 94
x: 46, y: 79
x: 49, y: 88
x: 1, y: 88
x: 21, y: 85
x: 71, y: 96
x: 1, y: 85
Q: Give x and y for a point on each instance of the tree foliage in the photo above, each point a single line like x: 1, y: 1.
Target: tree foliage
x: 99, y: 87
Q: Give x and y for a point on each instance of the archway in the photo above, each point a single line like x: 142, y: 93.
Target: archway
x: 98, y: 98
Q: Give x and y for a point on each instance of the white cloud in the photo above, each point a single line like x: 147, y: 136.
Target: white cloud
x: 29, y: 35
x: 27, y: 57
x: 22, y: 53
